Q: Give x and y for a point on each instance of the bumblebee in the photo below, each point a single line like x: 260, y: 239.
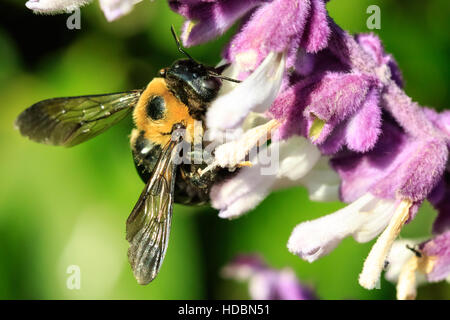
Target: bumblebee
x: 175, y: 101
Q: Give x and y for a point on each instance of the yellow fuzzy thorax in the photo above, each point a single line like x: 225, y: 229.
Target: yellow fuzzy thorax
x: 159, y: 131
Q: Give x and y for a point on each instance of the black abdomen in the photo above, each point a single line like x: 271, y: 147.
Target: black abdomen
x: 189, y: 187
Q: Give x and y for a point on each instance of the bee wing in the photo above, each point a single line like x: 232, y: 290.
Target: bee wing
x: 148, y: 226
x: 72, y: 120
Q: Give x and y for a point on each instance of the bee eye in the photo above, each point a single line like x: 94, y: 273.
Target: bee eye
x: 211, y: 83
x: 156, y: 108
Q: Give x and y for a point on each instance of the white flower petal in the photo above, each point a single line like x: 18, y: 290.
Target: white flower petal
x: 402, y: 268
x: 256, y: 93
x: 281, y: 164
x: 232, y: 153
x: 241, y: 193
x: 398, y: 256
x: 363, y: 219
x: 232, y: 71
x: 374, y: 263
x: 322, y: 182
x: 114, y: 9
x: 297, y: 157
x: 245, y: 204
x: 302, y: 164
x: 55, y: 6
x: 246, y: 189
x: 379, y: 212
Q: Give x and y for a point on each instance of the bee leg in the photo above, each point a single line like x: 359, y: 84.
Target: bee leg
x: 200, y: 181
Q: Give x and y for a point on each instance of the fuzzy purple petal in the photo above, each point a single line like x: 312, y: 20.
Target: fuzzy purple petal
x: 360, y: 172
x: 396, y: 74
x: 208, y: 20
x: 348, y: 51
x: 372, y: 45
x: 439, y: 249
x: 289, y: 288
x: 440, y: 199
x: 335, y: 142
x: 422, y: 169
x: 408, y: 113
x: 288, y: 108
x: 317, y: 33
x: 440, y: 120
x: 364, y: 127
x: 266, y: 32
x: 303, y: 63
x: 336, y: 97
x: 399, y: 164
x: 266, y: 283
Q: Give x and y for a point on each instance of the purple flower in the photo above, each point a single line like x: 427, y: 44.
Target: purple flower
x: 266, y: 283
x: 345, y: 95
x: 209, y: 19
x: 234, y: 104
x: 237, y: 122
x: 299, y: 164
x: 385, y: 186
x: 429, y: 263
x: 372, y: 45
x: 389, y: 155
x: 336, y: 98
x: 304, y: 25
x: 317, y: 94
x: 250, y: 46
x: 332, y: 107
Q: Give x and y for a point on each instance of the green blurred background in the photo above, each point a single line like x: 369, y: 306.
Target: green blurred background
x: 62, y: 207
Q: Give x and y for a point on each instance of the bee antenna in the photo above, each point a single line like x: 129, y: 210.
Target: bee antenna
x: 180, y: 48
x: 215, y: 75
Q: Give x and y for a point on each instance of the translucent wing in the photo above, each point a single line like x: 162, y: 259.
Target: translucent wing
x: 70, y: 121
x: 148, y: 225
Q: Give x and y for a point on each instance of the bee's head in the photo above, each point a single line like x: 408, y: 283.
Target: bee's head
x: 194, y: 83
x: 194, y: 79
